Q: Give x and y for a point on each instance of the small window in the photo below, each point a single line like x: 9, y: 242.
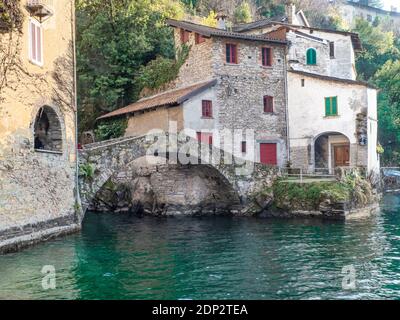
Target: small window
x: 303, y: 82
x: 47, y: 128
x: 268, y: 104
x: 331, y: 106
x: 206, y: 138
x: 184, y: 36
x: 35, y: 42
x: 244, y: 147
x: 332, y: 49
x: 207, y: 109
x: 231, y: 53
x: 311, y: 56
x: 266, y: 57
x: 199, y: 38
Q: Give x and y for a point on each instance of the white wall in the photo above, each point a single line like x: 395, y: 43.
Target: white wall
x: 307, y: 111
x: 192, y: 112
x: 373, y: 158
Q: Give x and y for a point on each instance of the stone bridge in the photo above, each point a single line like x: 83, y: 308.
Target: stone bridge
x: 101, y: 161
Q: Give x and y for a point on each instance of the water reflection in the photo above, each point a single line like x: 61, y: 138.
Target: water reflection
x: 126, y: 257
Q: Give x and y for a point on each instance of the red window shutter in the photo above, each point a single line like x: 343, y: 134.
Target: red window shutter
x: 184, y: 36
x: 205, y: 137
x: 207, y: 109
x: 268, y: 104
x: 234, y: 53
x: 231, y: 53
x: 268, y: 154
x: 267, y: 57
x: 199, y: 38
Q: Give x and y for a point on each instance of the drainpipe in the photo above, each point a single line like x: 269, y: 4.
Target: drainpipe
x: 75, y: 102
x: 287, y: 103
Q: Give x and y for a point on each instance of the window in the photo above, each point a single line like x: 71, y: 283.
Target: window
x: 303, y: 82
x: 199, y: 38
x: 47, y: 128
x: 206, y: 138
x: 332, y: 49
x: 35, y: 42
x: 244, y: 147
x: 207, y: 109
x: 184, y: 36
x: 268, y: 104
x: 311, y: 56
x: 231, y: 53
x: 331, y: 107
x: 266, y: 57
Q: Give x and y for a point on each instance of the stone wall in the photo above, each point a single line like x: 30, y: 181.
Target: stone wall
x: 38, y: 188
x: 198, y: 65
x: 241, y: 88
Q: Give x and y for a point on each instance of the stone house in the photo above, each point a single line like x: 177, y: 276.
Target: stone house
x: 293, y: 84
x: 38, y: 159
x: 350, y: 10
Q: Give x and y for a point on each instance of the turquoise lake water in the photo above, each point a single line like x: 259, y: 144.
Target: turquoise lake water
x: 127, y: 257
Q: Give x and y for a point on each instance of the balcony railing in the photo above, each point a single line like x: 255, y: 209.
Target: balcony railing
x: 40, y: 9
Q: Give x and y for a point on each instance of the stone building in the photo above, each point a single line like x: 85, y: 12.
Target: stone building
x: 293, y: 84
x: 350, y: 10
x: 38, y: 159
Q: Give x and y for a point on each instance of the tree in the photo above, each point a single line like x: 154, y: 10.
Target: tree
x: 114, y: 39
x: 242, y: 13
x: 388, y: 78
x: 379, y: 47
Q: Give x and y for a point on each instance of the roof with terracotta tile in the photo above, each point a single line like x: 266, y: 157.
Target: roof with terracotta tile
x: 167, y: 98
x: 209, y: 32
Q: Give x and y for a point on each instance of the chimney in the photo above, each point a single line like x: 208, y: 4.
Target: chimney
x: 290, y: 11
x: 221, y: 20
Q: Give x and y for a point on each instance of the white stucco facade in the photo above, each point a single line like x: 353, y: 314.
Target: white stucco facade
x: 308, y: 120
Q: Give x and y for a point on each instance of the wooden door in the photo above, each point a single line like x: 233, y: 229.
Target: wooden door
x: 268, y: 154
x: 342, y: 156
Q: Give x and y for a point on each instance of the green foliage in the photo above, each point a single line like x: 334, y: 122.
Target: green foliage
x: 360, y: 189
x: 307, y: 196
x: 210, y: 20
x: 388, y: 78
x: 111, y: 129
x: 11, y: 16
x: 379, y: 46
x: 87, y: 170
x: 242, y: 13
x: 162, y: 70
x: 115, y: 38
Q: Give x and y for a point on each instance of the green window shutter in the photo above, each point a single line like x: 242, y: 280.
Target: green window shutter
x: 311, y: 56
x: 334, y: 106
x: 327, y: 106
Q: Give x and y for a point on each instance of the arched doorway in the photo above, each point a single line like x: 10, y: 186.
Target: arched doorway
x: 331, y: 150
x: 47, y: 130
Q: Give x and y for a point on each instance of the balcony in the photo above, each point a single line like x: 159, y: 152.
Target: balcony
x: 40, y: 9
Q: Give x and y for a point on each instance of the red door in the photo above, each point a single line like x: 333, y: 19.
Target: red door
x: 268, y: 154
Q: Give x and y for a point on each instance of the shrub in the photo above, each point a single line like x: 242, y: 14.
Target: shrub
x: 111, y: 129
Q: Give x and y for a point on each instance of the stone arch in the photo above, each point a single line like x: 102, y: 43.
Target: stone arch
x: 111, y: 156
x: 164, y: 188
x: 331, y: 150
x: 48, y: 133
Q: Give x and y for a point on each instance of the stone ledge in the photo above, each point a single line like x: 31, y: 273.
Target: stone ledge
x: 17, y: 243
